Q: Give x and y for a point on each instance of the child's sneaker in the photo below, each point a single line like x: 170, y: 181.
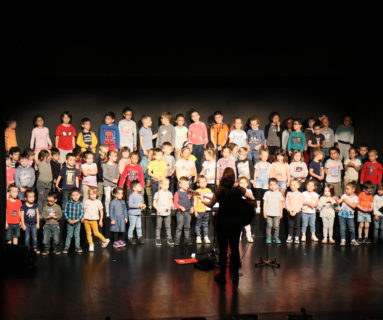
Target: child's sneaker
x: 122, y: 243
x: 78, y: 250
x: 105, y: 244
x: 354, y: 243
x: 141, y: 240
x: 314, y: 238
x: 303, y: 239
x: 367, y: 240
x: 158, y: 243
x: 258, y: 210
x: 296, y: 240
x: 324, y: 240
x: 65, y: 251
x: 360, y: 240
x: 132, y: 241
x: 91, y: 247
x: 45, y: 253
x: 198, y: 240
x: 116, y: 244
x: 331, y: 240
x: 268, y: 241
x: 206, y: 240
x: 250, y: 239
x: 277, y: 240
x: 56, y: 252
x: 343, y: 242
x: 289, y: 239
x: 177, y: 242
x: 171, y: 242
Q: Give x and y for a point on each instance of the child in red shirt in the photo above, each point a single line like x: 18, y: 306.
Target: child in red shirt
x: 365, y: 206
x: 12, y: 219
x: 65, y: 136
x: 372, y: 170
x: 133, y: 171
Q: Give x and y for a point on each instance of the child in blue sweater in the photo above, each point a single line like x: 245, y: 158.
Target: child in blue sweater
x: 297, y: 139
x: 109, y: 132
x: 135, y: 204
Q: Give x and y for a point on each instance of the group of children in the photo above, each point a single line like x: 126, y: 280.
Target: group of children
x: 293, y: 172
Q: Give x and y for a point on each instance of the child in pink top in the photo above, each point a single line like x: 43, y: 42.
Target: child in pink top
x: 280, y: 170
x: 224, y: 162
x: 125, y: 159
x: 294, y: 203
x: 10, y: 171
x: 197, y: 135
x: 40, y: 139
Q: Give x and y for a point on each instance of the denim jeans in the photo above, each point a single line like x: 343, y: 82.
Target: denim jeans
x: 160, y: 220
x: 346, y: 222
x: 183, y: 222
x: 30, y: 232
x: 253, y: 155
x: 308, y: 219
x: 134, y: 223
x: 202, y: 222
x: 73, y: 230
x: 154, y: 186
x: 198, y: 153
x: 272, y: 223
x: 51, y: 232
x: 378, y: 225
x: 43, y: 188
x: 65, y: 198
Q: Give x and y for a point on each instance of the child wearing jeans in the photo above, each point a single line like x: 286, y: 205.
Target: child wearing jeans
x: 69, y: 177
x: 280, y: 170
x: 73, y: 212
x: 378, y: 214
x: 118, y: 217
x: 135, y: 205
x: 93, y: 213
x: 273, y: 210
x: 163, y: 202
x: 89, y: 173
x: 316, y: 171
x: 294, y: 203
x: 243, y: 182
x: 200, y: 211
x: 184, y: 203
x: 256, y: 139
x: 261, y: 177
x: 65, y: 136
x: 12, y: 220
x: 157, y: 169
x: 51, y: 214
x: 327, y: 205
x: 30, y: 219
x: 310, y: 203
x: 348, y: 203
x: 365, y: 208
x: 197, y: 135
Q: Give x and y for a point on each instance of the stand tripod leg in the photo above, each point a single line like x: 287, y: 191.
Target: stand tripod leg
x: 266, y: 262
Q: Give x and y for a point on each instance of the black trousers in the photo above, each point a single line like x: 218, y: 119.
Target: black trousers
x: 228, y: 233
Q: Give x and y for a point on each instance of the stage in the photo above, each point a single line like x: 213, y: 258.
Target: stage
x: 330, y: 281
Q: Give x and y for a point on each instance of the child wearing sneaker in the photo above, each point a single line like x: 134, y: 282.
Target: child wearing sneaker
x: 200, y: 212
x: 378, y: 214
x: 163, y: 202
x: 51, y: 214
x: 326, y: 205
x: 273, y: 210
x: 243, y: 182
x: 93, y: 212
x: 135, y: 205
x: 184, y: 203
x: 294, y: 203
x: 261, y: 177
x: 310, y: 203
x: 118, y: 217
x: 348, y: 203
x: 73, y: 212
x: 365, y: 208
x: 30, y: 219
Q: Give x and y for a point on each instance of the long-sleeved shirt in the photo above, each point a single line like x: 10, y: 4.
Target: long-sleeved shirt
x: 40, y: 138
x: 344, y: 134
x: 132, y: 172
x: 25, y: 176
x: 134, y: 203
x: 378, y: 205
x: 298, y: 170
x: 110, y: 173
x: 87, y: 141
x: 285, y: 138
x: 128, y: 133
x: 222, y: 164
x: 183, y: 199
x: 294, y: 201
x: 54, y: 210
x: 74, y: 210
x: 297, y: 141
x: 110, y: 136
x: 166, y: 133
x: 372, y: 171
x: 326, y: 207
x: 198, y: 133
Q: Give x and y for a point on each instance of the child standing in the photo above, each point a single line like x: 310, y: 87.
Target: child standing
x: 219, y: 131
x: 55, y: 165
x: 146, y: 135
x: 329, y: 136
x: 225, y: 162
x: 89, y: 173
x: 93, y: 213
x: 65, y: 136
x: 243, y: 182
x: 148, y: 187
x: 378, y: 214
x: 10, y: 135
x: 352, y: 166
x: 69, y: 177
x: 261, y: 177
x: 280, y: 170
x: 326, y: 205
x: 30, y: 219
x: 316, y: 139
x: 344, y: 137
x: 333, y: 169
x: 12, y: 221
x: 244, y: 166
x: 10, y: 171
x: 316, y: 170
x: 372, y: 170
x: 237, y: 134
x: 40, y: 139
x: 51, y: 214
x: 297, y: 139
x: 363, y: 154
x: 365, y: 208
x: 185, y: 167
x: 14, y: 155
x: 135, y: 204
x: 298, y: 168
x: 273, y: 210
x: 163, y: 202
x: 181, y: 134
x: 45, y: 177
x: 348, y: 203
x: 73, y: 212
x: 125, y: 159
x: 118, y: 217
x: 128, y: 130
x: 286, y: 133
x: 273, y: 133
x: 24, y: 176
x: 166, y: 131
x: 197, y: 135
x: 183, y: 201
x: 87, y: 139
x: 200, y: 212
x: 256, y: 138
x: 209, y: 168
x: 167, y: 148
x: 157, y: 169
x: 110, y: 177
x: 133, y: 171
x: 294, y: 204
x: 109, y: 132
x: 101, y: 161
x: 310, y: 203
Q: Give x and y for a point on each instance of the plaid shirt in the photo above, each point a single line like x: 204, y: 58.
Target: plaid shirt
x: 74, y: 210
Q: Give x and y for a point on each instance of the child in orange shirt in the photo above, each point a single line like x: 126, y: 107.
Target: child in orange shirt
x: 365, y: 202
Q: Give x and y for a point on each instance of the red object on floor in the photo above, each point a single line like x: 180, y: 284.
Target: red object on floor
x: 185, y: 261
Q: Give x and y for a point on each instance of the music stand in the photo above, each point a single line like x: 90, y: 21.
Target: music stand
x: 267, y: 262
